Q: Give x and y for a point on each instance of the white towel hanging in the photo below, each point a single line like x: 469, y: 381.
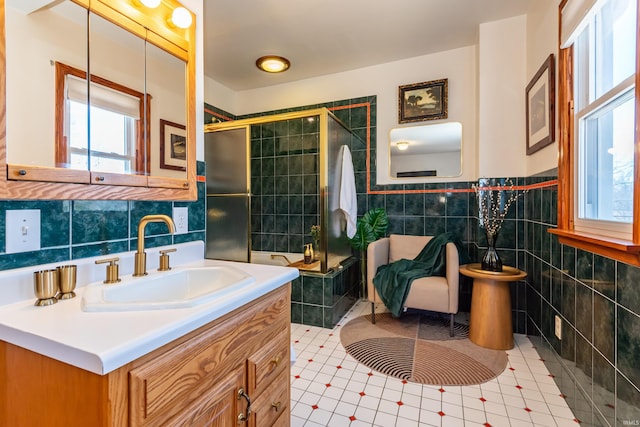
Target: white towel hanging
x: 348, y: 196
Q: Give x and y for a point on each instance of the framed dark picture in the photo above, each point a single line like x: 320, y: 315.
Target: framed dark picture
x: 423, y: 101
x: 173, y: 146
x: 541, y: 113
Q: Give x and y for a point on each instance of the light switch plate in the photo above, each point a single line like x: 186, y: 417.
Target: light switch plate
x: 181, y: 219
x: 22, y: 230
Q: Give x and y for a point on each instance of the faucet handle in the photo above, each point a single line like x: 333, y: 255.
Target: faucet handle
x: 164, y: 259
x: 112, y: 269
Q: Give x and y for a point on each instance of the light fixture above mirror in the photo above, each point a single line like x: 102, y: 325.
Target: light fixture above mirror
x: 181, y: 18
x: 273, y: 64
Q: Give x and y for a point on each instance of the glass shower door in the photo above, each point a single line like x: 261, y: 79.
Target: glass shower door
x: 228, y: 195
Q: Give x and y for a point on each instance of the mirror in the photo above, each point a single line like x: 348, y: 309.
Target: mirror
x: 166, y: 85
x: 34, y: 42
x: 419, y: 152
x: 118, y: 140
x: 138, y: 98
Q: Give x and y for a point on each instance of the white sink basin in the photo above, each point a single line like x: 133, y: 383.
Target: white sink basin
x: 177, y: 288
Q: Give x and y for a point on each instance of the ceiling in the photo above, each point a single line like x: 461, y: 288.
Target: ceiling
x: 329, y: 36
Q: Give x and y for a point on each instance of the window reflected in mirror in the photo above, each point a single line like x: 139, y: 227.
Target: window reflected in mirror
x: 418, y: 152
x: 117, y: 115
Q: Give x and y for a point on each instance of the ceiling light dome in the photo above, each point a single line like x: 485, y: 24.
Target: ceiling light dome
x: 273, y: 64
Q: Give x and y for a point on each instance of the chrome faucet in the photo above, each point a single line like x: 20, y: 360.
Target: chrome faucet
x: 140, y: 266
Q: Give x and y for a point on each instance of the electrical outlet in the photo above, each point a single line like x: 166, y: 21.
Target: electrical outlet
x: 558, y: 327
x: 181, y: 220
x: 22, y: 230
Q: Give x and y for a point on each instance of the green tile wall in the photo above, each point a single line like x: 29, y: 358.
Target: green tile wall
x: 284, y: 173
x: 595, y: 364
x: 72, y: 229
x: 323, y: 299
x: 285, y: 184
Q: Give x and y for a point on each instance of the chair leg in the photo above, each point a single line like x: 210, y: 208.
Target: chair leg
x: 451, y: 324
x: 373, y: 313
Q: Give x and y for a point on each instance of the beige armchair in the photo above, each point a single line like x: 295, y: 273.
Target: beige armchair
x: 427, y: 293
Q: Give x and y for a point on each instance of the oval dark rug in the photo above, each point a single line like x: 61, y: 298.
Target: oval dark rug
x: 417, y: 347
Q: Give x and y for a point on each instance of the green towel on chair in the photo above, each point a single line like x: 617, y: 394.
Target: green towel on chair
x: 393, y: 281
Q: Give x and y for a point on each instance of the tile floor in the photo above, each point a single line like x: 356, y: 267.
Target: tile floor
x: 329, y: 388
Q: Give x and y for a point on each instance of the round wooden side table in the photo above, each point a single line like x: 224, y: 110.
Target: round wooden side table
x: 490, y: 323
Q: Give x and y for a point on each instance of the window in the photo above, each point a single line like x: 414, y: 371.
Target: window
x: 597, y: 117
x: 604, y: 65
x: 107, y: 138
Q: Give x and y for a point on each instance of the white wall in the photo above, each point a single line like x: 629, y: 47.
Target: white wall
x: 219, y: 95
x: 501, y: 107
x: 542, y: 40
x: 458, y: 65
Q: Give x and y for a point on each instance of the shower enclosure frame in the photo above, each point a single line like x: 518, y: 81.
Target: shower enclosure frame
x: 324, y: 116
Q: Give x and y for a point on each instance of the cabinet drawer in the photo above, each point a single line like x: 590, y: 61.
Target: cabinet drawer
x: 272, y: 402
x: 265, y: 364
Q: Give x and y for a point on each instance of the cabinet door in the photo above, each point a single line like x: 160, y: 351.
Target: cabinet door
x: 219, y: 407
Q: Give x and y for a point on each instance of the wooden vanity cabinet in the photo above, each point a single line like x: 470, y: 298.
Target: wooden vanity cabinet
x: 193, y: 381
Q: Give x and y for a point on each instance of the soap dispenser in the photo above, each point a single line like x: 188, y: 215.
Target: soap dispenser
x: 307, y: 254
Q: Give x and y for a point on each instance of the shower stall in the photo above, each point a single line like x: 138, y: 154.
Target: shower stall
x: 269, y: 180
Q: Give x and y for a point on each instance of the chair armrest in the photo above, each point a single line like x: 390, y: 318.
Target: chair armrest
x: 377, y: 255
x: 453, y: 276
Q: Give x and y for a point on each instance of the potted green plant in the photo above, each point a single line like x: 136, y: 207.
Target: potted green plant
x: 369, y: 228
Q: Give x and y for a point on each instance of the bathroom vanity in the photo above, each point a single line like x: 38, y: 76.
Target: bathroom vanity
x: 203, y: 365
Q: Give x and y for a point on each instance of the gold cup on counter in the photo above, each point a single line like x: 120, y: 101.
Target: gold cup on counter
x: 67, y: 281
x: 45, y: 284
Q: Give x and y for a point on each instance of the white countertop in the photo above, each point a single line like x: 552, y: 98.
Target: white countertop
x: 101, y: 342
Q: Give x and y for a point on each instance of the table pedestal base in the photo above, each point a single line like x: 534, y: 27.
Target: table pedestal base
x: 490, y: 323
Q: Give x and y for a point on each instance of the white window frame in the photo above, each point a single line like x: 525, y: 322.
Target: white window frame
x: 585, y: 89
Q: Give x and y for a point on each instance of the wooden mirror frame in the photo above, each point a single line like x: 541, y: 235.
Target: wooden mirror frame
x: 61, y: 184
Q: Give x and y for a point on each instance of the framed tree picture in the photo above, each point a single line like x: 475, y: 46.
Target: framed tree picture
x: 423, y: 101
x: 541, y: 113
